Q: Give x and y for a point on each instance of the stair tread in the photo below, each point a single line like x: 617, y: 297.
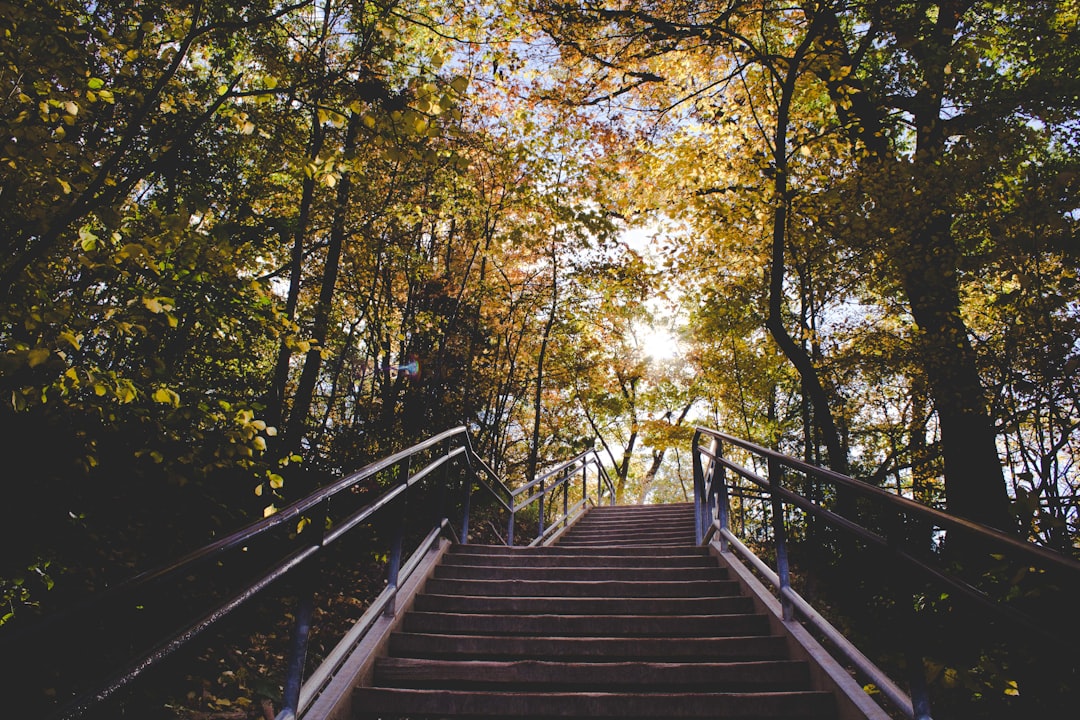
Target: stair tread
x: 583, y: 605
x: 748, y: 647
x: 653, y: 676
x: 462, y: 703
x: 624, y: 617
x: 583, y: 588
x: 584, y: 625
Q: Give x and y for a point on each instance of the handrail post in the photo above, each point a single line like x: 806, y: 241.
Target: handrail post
x: 466, y: 503
x: 313, y: 531
x: 566, y: 499
x: 540, y: 501
x: 723, y: 503
x: 585, y: 484
x: 903, y: 588
x: 699, y: 488
x: 776, y: 482
x: 394, y: 566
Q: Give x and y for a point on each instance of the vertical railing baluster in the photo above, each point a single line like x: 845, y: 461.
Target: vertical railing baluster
x: 306, y: 577
x: 723, y: 503
x: 776, y: 483
x: 699, y: 488
x: 903, y: 588
x: 541, y: 503
x: 566, y: 498
x: 585, y: 484
x: 466, y: 503
x: 404, y: 468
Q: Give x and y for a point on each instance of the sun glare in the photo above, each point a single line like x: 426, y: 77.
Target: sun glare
x: 658, y: 343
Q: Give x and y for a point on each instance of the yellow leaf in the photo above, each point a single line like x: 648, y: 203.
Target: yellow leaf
x: 37, y: 356
x: 258, y: 490
x: 165, y: 396
x: 269, y: 510
x: 276, y: 481
x: 71, y: 108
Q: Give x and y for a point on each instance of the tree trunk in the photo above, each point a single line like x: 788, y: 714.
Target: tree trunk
x: 795, y: 354
x: 305, y: 388
x: 538, y: 400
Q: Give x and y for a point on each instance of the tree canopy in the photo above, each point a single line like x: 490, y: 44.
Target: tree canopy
x: 250, y: 245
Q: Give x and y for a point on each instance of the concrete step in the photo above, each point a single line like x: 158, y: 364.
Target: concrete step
x: 626, y: 510
x: 567, y: 560
x: 563, y: 574
x: 615, y: 548
x: 587, y: 625
x: 771, y: 675
x: 649, y: 537
x: 730, y: 604
x: 632, y: 530
x: 578, y: 649
x: 624, y: 542
x: 583, y: 588
x: 401, y: 703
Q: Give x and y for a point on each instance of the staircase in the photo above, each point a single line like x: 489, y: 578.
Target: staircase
x: 624, y: 617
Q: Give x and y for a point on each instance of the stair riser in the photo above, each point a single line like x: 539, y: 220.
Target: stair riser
x: 522, y: 675
x: 490, y: 647
x: 451, y: 572
x: 620, y: 538
x: 583, y: 625
x: 636, y: 523
x: 526, y: 588
x: 585, y: 606
x: 593, y: 560
x: 556, y: 550
x: 378, y: 702
x: 624, y: 542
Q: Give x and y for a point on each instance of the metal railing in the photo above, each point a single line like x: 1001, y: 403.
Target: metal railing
x: 557, y: 484
x: 415, y: 485
x: 908, y: 535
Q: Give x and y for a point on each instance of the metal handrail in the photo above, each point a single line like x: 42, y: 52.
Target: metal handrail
x: 452, y: 448
x: 711, y: 499
x: 559, y: 478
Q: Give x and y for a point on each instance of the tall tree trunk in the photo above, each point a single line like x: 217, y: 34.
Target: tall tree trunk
x: 538, y: 399
x: 795, y: 354
x: 928, y: 259
x: 305, y: 388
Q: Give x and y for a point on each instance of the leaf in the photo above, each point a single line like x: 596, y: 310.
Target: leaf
x: 95, y: 83
x: 37, y: 356
x: 269, y: 510
x: 87, y: 239
x: 276, y: 481
x: 165, y: 396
